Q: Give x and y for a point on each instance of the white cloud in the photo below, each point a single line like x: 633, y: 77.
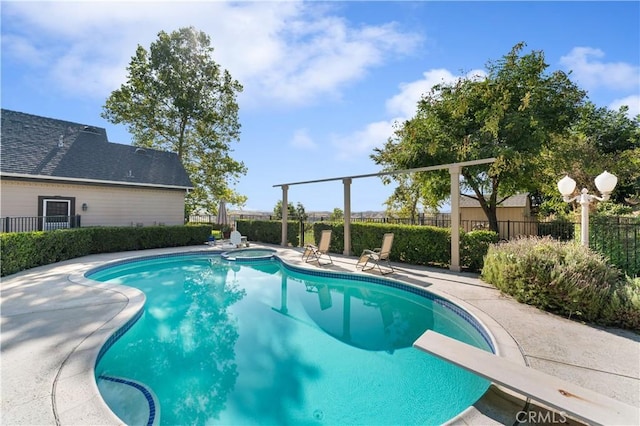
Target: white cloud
x: 590, y: 71
x: 401, y: 106
x: 324, y: 55
x: 292, y: 52
x: 302, y: 140
x: 21, y: 49
x: 405, y: 102
x: 633, y: 102
x: 358, y: 144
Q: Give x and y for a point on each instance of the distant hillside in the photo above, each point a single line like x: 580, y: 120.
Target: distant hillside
x: 324, y: 214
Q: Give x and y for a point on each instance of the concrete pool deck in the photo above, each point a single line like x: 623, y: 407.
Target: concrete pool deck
x: 54, y: 323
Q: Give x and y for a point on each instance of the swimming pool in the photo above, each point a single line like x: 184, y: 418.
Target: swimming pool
x: 262, y: 342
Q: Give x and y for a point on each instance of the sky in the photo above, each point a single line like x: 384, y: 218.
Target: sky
x: 324, y: 82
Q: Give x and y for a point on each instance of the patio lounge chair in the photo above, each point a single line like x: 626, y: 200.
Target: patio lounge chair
x: 313, y: 253
x: 378, y: 255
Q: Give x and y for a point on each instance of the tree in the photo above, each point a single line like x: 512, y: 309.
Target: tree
x: 293, y: 213
x: 616, y: 138
x: 405, y: 198
x: 177, y: 98
x: 601, y: 139
x: 337, y: 215
x: 511, y: 114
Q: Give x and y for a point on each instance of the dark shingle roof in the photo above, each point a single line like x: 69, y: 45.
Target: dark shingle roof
x: 40, y: 146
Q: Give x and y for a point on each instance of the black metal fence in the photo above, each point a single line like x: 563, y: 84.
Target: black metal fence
x: 617, y: 238
x: 38, y: 223
x: 507, y: 229
x: 211, y: 218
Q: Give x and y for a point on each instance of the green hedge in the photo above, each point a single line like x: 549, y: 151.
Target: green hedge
x: 27, y: 250
x: 565, y: 278
x: 474, y: 246
x: 416, y: 245
x: 269, y: 231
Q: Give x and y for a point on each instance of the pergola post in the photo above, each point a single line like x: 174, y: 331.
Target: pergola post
x: 454, y: 171
x: 347, y: 216
x: 285, y: 214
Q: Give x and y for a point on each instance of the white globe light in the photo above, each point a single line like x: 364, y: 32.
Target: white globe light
x: 606, y: 182
x: 566, y: 186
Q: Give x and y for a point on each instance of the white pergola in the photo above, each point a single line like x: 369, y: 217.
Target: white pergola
x: 454, y: 172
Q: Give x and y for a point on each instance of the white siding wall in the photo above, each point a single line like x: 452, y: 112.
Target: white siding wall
x: 107, y: 206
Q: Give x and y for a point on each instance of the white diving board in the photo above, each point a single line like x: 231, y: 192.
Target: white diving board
x: 583, y: 404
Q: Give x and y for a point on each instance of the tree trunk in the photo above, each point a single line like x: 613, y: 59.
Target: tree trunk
x: 493, y: 220
x: 489, y: 207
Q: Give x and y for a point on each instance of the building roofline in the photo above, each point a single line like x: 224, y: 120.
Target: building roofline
x: 94, y: 181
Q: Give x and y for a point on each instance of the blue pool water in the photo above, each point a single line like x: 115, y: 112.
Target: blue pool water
x: 259, y: 343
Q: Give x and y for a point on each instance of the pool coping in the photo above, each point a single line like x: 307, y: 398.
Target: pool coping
x: 75, y: 398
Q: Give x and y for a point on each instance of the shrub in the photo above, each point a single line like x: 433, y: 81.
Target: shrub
x: 418, y: 245
x: 27, y: 250
x: 269, y: 231
x: 474, y: 246
x: 623, y: 309
x: 565, y: 278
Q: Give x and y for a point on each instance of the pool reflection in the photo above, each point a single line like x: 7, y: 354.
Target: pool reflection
x: 366, y: 317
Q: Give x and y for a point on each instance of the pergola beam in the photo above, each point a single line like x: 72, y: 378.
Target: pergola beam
x: 454, y: 170
x: 394, y: 172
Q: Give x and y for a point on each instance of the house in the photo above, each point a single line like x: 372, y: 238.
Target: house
x: 516, y: 207
x: 51, y: 167
x: 514, y: 214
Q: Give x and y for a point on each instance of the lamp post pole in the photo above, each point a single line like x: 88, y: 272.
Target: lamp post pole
x: 605, y: 182
x: 585, y: 200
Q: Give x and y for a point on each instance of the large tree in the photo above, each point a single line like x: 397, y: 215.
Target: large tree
x: 601, y: 139
x: 510, y: 114
x: 177, y: 98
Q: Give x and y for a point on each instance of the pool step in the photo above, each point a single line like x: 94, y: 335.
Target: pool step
x: 133, y: 402
x: 583, y: 404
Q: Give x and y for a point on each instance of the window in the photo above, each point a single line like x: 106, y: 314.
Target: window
x: 56, y: 212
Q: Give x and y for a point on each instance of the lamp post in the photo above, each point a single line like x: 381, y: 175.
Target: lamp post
x: 605, y: 182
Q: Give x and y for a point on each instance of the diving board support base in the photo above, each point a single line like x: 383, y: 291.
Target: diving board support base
x: 580, y: 403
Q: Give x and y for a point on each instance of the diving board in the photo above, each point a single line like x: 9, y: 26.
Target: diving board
x: 583, y: 404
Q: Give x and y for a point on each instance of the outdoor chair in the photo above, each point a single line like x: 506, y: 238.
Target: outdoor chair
x: 377, y: 255
x: 237, y: 239
x: 313, y: 253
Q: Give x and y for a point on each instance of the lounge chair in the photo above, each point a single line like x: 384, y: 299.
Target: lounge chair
x: 313, y: 253
x: 378, y: 255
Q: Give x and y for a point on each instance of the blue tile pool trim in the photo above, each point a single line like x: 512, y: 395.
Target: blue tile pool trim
x: 445, y: 303
x: 141, y: 388
x: 118, y: 334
